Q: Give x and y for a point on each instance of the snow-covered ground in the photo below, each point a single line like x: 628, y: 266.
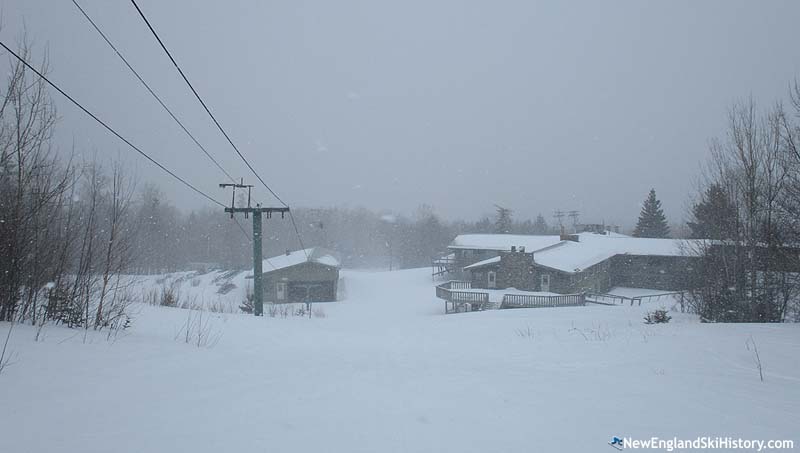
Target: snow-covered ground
x: 386, y: 371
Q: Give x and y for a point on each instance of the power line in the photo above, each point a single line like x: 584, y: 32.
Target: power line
x: 244, y: 232
x: 297, y: 232
x: 150, y: 90
x: 217, y: 123
x: 157, y: 98
x: 219, y: 126
x: 109, y: 128
x: 242, y: 229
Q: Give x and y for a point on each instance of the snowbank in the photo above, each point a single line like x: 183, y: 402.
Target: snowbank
x: 385, y: 371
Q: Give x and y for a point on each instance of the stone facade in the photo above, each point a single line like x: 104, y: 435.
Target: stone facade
x: 668, y: 273
x: 480, y: 277
x: 520, y: 271
x: 516, y: 271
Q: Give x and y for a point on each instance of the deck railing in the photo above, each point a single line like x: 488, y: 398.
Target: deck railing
x: 469, y: 297
x: 443, y: 265
x: 455, y: 299
x: 459, y: 284
x: 458, y: 296
x: 613, y: 299
x: 535, y: 301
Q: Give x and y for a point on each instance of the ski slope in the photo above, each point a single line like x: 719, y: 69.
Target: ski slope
x: 386, y: 371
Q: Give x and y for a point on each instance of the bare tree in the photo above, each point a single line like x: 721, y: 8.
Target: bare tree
x: 746, y: 275
x: 119, y: 243
x: 30, y: 181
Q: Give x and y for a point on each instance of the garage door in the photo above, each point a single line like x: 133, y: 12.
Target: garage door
x: 311, y: 292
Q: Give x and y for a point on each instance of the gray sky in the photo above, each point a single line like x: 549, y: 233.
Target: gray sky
x: 460, y: 104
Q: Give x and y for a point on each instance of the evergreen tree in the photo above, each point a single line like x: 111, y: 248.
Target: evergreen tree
x: 540, y: 225
x: 525, y: 227
x: 714, y: 217
x: 484, y: 225
x: 503, y: 222
x: 652, y: 222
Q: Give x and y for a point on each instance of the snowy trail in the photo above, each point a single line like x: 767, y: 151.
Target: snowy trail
x: 386, y: 371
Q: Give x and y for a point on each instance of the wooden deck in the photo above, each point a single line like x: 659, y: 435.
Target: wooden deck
x: 613, y: 299
x: 533, y: 301
x: 456, y: 299
x: 459, y: 297
x: 442, y: 266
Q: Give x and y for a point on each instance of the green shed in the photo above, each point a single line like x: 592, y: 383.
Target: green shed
x: 310, y: 275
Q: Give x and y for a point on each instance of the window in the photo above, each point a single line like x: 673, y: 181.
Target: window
x: 280, y: 290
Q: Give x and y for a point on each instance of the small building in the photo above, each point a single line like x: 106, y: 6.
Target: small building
x: 310, y: 275
x: 589, y: 262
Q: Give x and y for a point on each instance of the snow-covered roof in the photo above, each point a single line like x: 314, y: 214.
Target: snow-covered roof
x: 503, y: 242
x: 591, y: 248
x: 492, y: 260
x: 314, y: 254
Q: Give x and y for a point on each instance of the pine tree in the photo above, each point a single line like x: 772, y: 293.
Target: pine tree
x: 503, y: 222
x: 540, y: 225
x: 715, y: 217
x: 484, y: 225
x: 652, y: 222
x: 526, y: 227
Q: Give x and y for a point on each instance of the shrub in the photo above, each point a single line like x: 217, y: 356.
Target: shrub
x: 526, y: 332
x: 170, y: 296
x: 225, y: 288
x: 248, y: 304
x: 657, y: 317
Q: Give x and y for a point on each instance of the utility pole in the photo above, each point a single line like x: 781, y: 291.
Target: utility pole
x: 257, y: 211
x: 558, y: 215
x: 574, y: 215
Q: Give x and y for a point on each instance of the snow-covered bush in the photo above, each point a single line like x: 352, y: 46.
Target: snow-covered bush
x: 248, y: 304
x: 199, y: 330
x: 226, y: 287
x: 599, y: 332
x: 659, y: 316
x: 526, y: 332
x: 170, y: 296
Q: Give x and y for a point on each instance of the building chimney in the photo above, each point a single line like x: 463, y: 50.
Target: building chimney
x: 569, y: 237
x: 288, y: 252
x: 513, y: 248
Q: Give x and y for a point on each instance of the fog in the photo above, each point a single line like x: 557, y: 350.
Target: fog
x: 535, y: 106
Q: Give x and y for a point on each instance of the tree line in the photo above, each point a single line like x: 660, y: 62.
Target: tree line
x: 71, y: 229
x: 66, y: 225
x: 748, y: 207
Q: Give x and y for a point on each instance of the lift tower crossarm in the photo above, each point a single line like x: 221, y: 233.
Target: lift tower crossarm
x: 258, y: 211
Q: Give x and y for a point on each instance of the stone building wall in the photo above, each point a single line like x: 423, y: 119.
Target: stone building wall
x: 516, y: 271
